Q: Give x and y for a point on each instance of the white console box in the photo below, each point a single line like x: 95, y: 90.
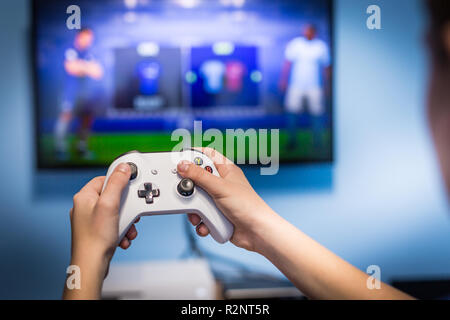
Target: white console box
x: 160, y: 280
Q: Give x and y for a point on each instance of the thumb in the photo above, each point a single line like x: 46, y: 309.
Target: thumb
x: 110, y: 198
x: 213, y: 185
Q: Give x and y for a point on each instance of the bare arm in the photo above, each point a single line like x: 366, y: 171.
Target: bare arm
x: 285, y: 73
x: 83, y: 68
x: 314, y: 270
x: 94, y: 220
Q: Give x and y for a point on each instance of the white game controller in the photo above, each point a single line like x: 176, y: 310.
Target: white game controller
x: 155, y: 188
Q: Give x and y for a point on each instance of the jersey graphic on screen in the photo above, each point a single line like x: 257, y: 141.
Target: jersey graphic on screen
x: 235, y: 73
x: 149, y: 73
x: 212, y: 72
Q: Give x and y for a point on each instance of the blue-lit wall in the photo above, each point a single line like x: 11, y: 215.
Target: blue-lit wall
x: 381, y: 203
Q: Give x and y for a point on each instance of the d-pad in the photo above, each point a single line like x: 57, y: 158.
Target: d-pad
x: 148, y: 193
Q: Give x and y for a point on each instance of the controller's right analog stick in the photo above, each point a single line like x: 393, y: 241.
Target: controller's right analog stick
x: 186, y: 187
x: 134, y: 170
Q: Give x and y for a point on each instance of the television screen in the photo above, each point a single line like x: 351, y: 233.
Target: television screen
x: 118, y: 75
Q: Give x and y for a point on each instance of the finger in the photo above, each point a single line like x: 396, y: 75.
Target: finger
x: 225, y: 166
x: 222, y: 163
x: 95, y: 185
x: 110, y: 198
x: 71, y: 214
x: 210, y: 183
x: 194, y: 219
x: 132, y: 233
x: 88, y: 196
x: 202, y: 230
x: 137, y: 220
x: 125, y: 243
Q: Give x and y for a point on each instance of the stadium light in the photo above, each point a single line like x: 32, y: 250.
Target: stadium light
x: 131, y: 4
x: 223, y: 48
x: 189, y: 4
x: 148, y: 49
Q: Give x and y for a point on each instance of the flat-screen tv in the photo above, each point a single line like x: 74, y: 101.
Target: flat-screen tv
x: 118, y: 75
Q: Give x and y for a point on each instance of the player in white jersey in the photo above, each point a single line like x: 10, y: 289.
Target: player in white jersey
x: 307, y: 60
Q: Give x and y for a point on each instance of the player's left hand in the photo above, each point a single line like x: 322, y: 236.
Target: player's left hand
x: 95, y: 216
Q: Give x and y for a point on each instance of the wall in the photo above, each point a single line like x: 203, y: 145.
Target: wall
x: 381, y: 203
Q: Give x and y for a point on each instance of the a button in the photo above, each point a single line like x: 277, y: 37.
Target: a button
x: 198, y: 161
x: 174, y: 171
x: 154, y: 172
x: 186, y: 187
x: 134, y: 170
x: 148, y: 193
x: 209, y: 169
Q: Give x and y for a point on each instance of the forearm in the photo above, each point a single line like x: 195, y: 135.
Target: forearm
x: 285, y: 72
x: 94, y: 70
x: 93, y: 269
x: 313, y: 269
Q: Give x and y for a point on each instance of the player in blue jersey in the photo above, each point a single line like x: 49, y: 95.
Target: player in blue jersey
x: 83, y: 74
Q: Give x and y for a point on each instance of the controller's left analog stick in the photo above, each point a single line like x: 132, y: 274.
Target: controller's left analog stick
x: 134, y: 170
x: 186, y: 187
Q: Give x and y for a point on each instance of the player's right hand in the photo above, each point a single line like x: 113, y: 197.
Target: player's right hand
x: 235, y: 198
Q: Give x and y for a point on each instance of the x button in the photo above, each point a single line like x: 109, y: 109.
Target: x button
x: 148, y: 193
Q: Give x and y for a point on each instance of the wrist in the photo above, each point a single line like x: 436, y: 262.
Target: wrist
x: 92, y: 268
x: 274, y: 236
x: 262, y: 228
x: 95, y: 261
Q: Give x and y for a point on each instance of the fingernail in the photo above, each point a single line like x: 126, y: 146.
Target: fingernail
x: 124, y: 167
x: 183, y: 166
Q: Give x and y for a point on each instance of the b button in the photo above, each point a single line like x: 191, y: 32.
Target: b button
x: 209, y: 169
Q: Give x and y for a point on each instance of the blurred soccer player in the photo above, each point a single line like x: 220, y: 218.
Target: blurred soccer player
x: 83, y: 73
x: 307, y: 60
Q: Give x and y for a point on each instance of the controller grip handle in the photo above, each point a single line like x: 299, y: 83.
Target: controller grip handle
x: 221, y: 229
